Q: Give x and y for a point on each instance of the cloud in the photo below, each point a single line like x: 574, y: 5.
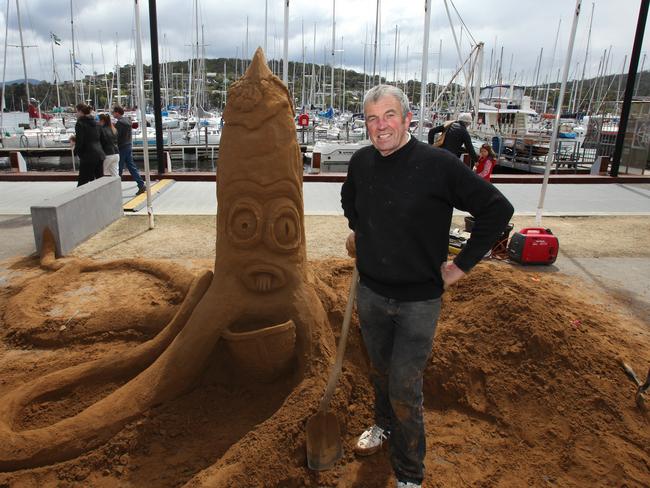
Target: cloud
x: 104, y: 30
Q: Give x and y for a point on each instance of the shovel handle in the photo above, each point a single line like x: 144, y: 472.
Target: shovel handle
x: 340, y: 350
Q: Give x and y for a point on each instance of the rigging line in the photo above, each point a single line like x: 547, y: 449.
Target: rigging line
x: 38, y: 53
x: 469, y: 33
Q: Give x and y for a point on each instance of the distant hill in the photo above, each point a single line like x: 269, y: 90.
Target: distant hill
x: 31, y: 81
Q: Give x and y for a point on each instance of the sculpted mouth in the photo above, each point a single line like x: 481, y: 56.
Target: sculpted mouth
x: 263, y: 278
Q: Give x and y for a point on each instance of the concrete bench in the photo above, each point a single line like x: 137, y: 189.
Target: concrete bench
x: 76, y: 215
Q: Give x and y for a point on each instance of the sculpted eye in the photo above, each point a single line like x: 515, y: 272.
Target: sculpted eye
x: 285, y: 229
x: 244, y: 223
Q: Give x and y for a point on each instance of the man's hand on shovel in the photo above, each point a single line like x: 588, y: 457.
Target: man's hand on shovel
x: 351, y: 246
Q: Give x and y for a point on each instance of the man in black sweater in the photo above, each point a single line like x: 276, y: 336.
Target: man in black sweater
x: 398, y: 197
x: 455, y: 137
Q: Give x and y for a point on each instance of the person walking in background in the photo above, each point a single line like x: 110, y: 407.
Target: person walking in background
x: 87, y: 146
x: 108, y: 139
x: 398, y: 197
x: 455, y: 137
x: 486, y: 162
x: 125, y: 147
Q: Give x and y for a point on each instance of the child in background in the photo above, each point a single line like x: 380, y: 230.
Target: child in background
x: 486, y: 162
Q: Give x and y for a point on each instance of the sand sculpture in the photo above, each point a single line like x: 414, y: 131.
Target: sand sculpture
x: 260, y: 299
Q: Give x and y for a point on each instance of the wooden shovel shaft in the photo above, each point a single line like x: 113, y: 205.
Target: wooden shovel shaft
x: 340, y: 350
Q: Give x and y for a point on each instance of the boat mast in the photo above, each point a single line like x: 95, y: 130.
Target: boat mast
x: 74, y: 58
x: 196, y: 88
x: 101, y: 46
x: 56, y: 78
x: 22, y: 51
x: 374, y: 59
x: 285, y: 50
x: 266, y: 25
x: 548, y: 83
x: 94, y: 80
x: 343, y: 108
x: 365, y: 76
x: 225, y: 86
x: 313, y: 71
x: 333, y: 51
x: 584, y: 66
x: 395, y: 57
x: 245, y: 48
x: 4, y: 72
x: 425, y: 65
x: 117, y: 73
x: 478, y: 72
x: 204, y: 75
x: 453, y: 31
x: 302, y: 87
x: 166, y: 73
x: 189, y: 79
x: 537, y: 72
x: 439, y: 69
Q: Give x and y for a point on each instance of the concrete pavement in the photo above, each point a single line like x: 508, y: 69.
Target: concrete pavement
x: 199, y: 198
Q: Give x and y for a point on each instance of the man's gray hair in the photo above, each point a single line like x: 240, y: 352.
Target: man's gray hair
x: 376, y: 92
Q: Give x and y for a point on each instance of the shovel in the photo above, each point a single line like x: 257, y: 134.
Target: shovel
x: 324, y: 447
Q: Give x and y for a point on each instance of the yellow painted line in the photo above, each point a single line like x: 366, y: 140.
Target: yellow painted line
x: 138, y: 202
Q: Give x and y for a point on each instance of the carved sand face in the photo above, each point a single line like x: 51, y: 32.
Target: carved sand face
x: 264, y: 233
x: 260, y: 224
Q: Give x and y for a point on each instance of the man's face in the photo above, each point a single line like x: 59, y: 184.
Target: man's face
x: 386, y: 127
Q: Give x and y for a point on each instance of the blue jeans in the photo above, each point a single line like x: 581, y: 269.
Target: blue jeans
x: 399, y: 336
x: 126, y: 158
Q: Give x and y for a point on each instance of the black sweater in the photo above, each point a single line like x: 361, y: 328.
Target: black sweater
x: 456, y: 136
x: 400, y: 208
x: 87, y: 145
x: 108, y: 139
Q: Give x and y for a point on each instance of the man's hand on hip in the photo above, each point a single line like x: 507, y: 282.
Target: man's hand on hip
x: 351, y: 246
x: 450, y: 273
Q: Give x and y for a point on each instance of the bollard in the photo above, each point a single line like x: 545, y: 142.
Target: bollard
x: 315, y: 162
x: 18, y: 164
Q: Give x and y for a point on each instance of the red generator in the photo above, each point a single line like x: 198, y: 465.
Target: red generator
x: 533, y: 245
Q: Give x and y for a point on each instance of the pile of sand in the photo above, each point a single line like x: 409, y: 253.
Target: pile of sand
x: 524, y: 387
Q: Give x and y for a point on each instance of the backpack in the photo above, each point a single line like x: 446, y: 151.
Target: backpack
x: 440, y: 140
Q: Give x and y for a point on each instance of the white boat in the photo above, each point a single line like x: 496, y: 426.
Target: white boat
x: 334, y: 157
x: 151, y: 137
x: 504, y: 110
x: 213, y: 133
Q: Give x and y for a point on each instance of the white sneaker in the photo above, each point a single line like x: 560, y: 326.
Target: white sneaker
x: 407, y: 484
x: 370, y: 441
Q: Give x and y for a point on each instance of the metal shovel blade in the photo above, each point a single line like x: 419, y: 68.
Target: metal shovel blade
x: 324, y: 446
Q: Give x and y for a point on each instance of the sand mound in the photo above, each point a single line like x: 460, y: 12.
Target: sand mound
x: 524, y: 388
x: 83, y: 301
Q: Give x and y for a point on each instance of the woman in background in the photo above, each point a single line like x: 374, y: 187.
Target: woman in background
x: 486, y: 162
x: 87, y: 146
x: 108, y: 139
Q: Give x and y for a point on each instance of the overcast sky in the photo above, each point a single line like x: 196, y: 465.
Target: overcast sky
x: 104, y: 32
